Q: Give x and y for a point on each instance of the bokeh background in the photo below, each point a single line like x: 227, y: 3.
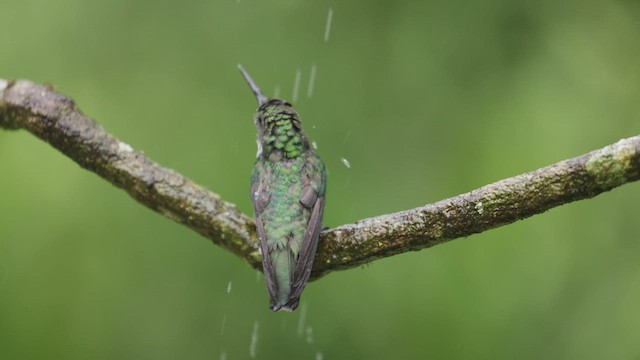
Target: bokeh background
x: 425, y: 99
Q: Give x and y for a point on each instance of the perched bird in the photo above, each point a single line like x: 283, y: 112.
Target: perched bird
x: 288, y: 194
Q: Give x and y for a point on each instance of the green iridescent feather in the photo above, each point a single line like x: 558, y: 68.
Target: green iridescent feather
x: 288, y: 188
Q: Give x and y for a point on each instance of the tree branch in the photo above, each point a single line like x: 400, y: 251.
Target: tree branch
x: 57, y: 120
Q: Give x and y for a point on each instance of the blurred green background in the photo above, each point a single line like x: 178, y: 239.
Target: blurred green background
x: 426, y: 99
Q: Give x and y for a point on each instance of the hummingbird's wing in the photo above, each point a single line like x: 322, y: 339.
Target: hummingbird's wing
x: 308, y: 250
x: 267, y: 266
x: 312, y: 197
x: 260, y: 198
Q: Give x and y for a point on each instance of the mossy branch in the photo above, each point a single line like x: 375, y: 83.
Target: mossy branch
x: 57, y: 120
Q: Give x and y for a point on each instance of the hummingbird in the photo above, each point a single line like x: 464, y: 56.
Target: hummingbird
x: 288, y: 189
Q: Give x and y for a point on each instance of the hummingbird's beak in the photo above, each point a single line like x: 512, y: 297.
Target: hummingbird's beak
x: 256, y: 90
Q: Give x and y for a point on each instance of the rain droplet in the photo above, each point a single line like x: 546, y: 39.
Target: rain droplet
x: 346, y: 137
x: 314, y: 145
x: 229, y: 287
x: 312, y: 80
x: 319, y: 356
x: 224, y: 323
x: 254, y: 340
x: 276, y: 92
x: 345, y: 162
x: 327, y: 29
x: 302, y: 319
x: 309, y: 334
x: 296, y: 86
x: 223, y: 355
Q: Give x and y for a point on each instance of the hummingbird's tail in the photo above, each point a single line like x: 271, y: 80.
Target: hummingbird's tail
x: 290, y: 305
x: 283, y: 298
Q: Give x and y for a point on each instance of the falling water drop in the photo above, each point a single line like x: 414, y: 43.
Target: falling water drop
x: 224, y: 323
x: 309, y: 334
x: 302, y: 319
x: 296, y: 86
x: 345, y: 162
x: 327, y: 29
x: 314, y: 145
x: 319, y: 356
x: 276, y: 92
x: 229, y: 287
x: 254, y: 340
x: 312, y: 80
x: 346, y: 137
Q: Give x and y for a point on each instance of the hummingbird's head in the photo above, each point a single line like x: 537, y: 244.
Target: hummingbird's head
x: 279, y: 128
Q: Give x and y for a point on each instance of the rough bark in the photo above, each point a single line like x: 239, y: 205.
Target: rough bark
x: 56, y: 119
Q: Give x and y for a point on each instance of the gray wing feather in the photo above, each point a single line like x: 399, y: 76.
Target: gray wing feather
x: 267, y: 267
x: 308, y: 250
x: 260, y: 199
